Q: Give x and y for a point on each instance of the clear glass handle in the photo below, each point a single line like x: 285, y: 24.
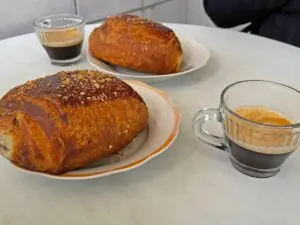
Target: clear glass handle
x: 200, y: 119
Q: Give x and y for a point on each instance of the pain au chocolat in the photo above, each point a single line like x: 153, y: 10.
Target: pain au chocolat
x: 68, y: 120
x: 138, y: 44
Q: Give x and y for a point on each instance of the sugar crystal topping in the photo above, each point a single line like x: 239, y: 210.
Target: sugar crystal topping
x: 79, y: 87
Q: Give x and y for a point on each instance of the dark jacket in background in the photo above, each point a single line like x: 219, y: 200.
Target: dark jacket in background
x: 276, y: 19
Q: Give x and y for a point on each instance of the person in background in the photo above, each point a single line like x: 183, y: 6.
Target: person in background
x: 276, y: 19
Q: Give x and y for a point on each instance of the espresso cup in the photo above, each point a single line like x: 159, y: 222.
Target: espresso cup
x: 62, y: 37
x: 260, y: 121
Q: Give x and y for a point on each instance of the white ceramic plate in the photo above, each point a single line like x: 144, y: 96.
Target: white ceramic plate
x: 195, y: 56
x: 163, y: 128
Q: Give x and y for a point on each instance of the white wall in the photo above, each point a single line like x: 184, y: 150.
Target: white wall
x: 174, y: 11
x: 19, y: 20
x: 17, y: 16
x: 196, y: 13
x: 92, y: 10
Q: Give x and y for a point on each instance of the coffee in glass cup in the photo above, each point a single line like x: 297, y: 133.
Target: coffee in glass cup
x: 260, y: 122
x: 62, y: 37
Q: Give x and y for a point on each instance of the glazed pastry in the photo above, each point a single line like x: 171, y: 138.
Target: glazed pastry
x: 138, y: 44
x: 68, y: 120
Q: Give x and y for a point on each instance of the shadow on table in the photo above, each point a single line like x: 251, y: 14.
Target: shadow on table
x: 205, y: 73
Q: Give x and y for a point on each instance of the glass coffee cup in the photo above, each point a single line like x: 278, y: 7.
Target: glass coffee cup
x: 260, y: 121
x: 62, y: 37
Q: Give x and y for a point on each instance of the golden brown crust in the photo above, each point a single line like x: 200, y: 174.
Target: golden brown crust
x: 68, y: 120
x: 138, y: 44
x: 76, y: 88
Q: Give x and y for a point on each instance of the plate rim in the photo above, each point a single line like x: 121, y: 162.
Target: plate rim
x: 155, y: 152
x: 90, y: 59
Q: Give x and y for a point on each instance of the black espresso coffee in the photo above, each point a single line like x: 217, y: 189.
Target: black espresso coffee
x: 251, y: 145
x: 63, y: 44
x: 64, y: 52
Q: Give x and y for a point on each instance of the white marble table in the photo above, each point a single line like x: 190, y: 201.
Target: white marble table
x: 191, y: 183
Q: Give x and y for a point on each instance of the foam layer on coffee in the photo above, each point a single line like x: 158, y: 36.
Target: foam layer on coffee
x: 263, y: 116
x: 61, y: 38
x: 262, y: 139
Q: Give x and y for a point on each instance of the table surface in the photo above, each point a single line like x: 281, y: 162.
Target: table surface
x: 191, y: 183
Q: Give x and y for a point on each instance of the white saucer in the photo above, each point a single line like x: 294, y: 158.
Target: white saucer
x: 163, y: 128
x: 195, y: 56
